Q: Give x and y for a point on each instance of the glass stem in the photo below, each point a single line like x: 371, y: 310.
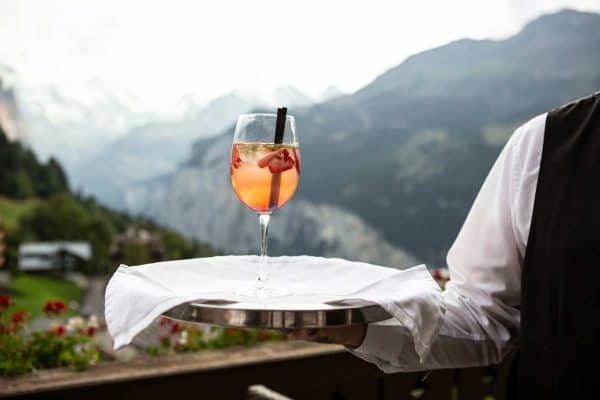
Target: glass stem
x: 263, y: 275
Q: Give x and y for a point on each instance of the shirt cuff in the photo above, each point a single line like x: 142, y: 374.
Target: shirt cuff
x: 383, y: 342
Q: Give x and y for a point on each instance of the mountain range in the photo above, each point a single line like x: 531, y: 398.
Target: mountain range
x: 72, y: 123
x: 98, y: 121
x: 157, y: 148
x: 402, y: 158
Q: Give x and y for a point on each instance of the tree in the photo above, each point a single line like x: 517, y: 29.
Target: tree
x: 51, y: 179
x: 176, y: 247
x: 58, y: 218
x: 22, y: 175
x: 19, y: 185
x: 62, y: 217
x: 135, y: 254
x: 100, y: 233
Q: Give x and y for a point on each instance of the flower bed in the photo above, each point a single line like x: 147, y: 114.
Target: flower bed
x: 22, y: 350
x: 69, y: 342
x: 184, y: 338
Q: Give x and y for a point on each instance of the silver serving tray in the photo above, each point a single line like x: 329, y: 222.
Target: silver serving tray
x: 278, y: 315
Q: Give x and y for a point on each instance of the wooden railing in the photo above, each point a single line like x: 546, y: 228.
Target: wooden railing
x: 293, y: 369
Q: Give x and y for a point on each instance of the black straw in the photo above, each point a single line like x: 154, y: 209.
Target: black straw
x: 276, y: 178
x: 280, y: 125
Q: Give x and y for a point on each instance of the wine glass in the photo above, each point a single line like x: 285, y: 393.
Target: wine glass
x: 265, y: 170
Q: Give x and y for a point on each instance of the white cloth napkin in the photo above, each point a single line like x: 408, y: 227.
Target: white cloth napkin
x: 135, y: 296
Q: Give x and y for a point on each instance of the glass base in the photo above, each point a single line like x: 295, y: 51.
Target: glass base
x: 263, y: 292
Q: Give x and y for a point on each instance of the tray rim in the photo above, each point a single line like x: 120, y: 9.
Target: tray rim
x: 230, y: 315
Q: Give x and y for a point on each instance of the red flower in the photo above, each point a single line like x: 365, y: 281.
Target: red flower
x: 264, y: 335
x: 4, y: 301
x: 90, y: 331
x: 232, y: 331
x: 278, y: 161
x: 18, y: 317
x: 176, y: 328
x: 59, y: 330
x: 54, y: 307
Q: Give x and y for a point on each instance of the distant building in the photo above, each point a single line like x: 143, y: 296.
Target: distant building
x: 151, y: 245
x: 54, y: 256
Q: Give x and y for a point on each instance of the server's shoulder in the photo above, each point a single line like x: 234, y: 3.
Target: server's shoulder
x: 529, y: 136
x: 584, y: 103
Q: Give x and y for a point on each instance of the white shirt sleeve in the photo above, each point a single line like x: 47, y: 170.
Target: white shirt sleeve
x: 481, y: 301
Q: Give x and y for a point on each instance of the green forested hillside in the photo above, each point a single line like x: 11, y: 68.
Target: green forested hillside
x: 23, y: 176
x: 36, y: 204
x: 11, y: 210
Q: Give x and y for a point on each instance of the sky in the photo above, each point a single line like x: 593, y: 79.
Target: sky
x: 159, y: 51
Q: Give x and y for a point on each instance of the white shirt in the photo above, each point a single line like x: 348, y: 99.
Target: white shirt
x: 481, y: 319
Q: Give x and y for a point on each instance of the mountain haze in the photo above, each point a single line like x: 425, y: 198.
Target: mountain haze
x: 72, y: 123
x: 156, y: 148
x: 404, y: 156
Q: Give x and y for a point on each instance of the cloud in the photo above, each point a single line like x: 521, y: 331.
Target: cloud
x: 161, y: 50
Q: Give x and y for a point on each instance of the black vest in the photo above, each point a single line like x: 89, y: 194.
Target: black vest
x: 559, y: 356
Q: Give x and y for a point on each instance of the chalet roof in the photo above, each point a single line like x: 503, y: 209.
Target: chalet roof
x: 80, y: 249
